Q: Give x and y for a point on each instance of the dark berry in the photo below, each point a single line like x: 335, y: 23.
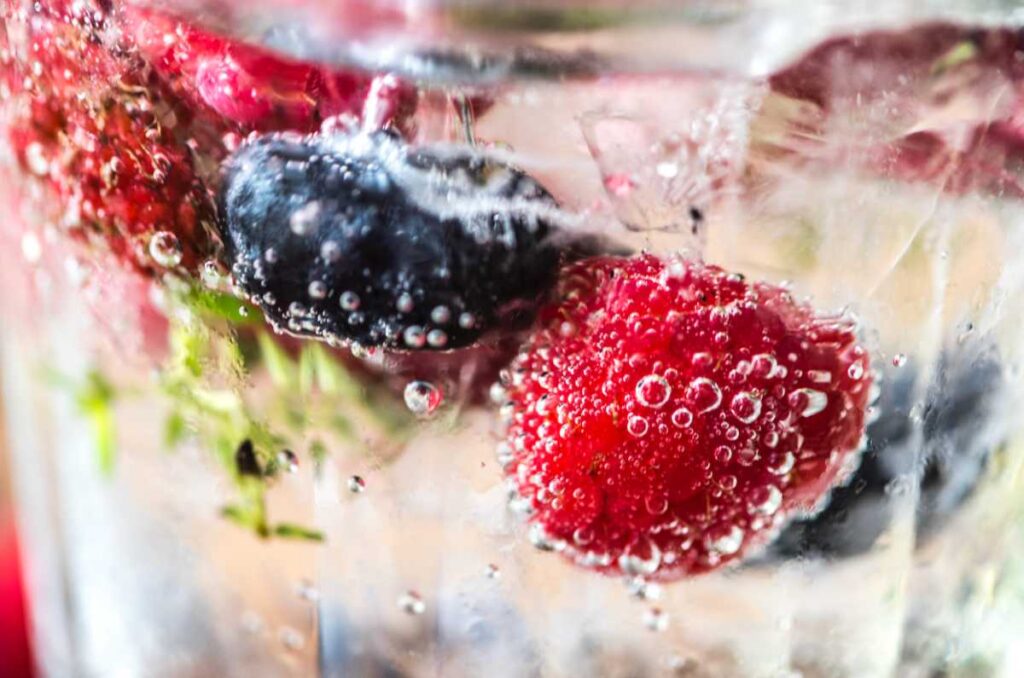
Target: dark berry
x: 959, y: 431
x: 361, y: 238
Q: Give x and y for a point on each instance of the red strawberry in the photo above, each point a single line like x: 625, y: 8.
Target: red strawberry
x: 252, y: 87
x: 87, y: 122
x: 667, y: 417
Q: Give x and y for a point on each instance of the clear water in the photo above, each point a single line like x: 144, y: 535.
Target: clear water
x: 423, y: 569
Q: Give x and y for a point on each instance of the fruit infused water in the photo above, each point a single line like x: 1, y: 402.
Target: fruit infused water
x: 424, y: 339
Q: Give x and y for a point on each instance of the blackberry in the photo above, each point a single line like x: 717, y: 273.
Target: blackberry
x: 960, y: 429
x: 357, y: 237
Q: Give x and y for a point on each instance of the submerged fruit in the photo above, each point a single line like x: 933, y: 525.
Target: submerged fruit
x: 357, y: 237
x: 962, y: 423
x: 668, y: 416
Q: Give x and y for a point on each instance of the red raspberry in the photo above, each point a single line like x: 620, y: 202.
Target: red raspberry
x: 667, y: 417
x: 254, y: 88
x: 87, y: 122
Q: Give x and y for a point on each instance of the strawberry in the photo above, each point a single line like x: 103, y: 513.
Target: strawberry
x: 252, y: 88
x: 86, y: 120
x: 667, y: 417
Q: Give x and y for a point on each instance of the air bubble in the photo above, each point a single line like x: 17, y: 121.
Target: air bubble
x: 497, y: 393
x: 782, y: 464
x: 440, y: 315
x: 637, y: 426
x: 656, y: 619
x: 856, y: 370
x: 725, y: 540
x: 819, y: 376
x: 704, y: 395
x: 543, y: 405
x: 746, y: 407
x: 422, y: 398
x: 330, y: 251
x: 414, y: 336
x: 412, y: 603
x: 765, y: 500
x: 539, y: 538
x: 763, y: 366
x: 467, y: 321
x: 642, y: 558
x: 165, y: 249
x: 653, y: 391
x: 306, y: 219
x: 682, y: 418
x: 349, y: 301
x: 306, y: 591
x: 807, y: 401
x: 317, y: 289
x: 252, y: 622
x: 288, y: 461
x: 642, y: 589
x: 291, y: 639
x: 405, y: 303
x: 656, y: 504
x: 582, y: 536
x: 210, y: 274
x: 437, y: 338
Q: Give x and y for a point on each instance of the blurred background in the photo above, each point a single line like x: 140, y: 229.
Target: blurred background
x: 15, y: 661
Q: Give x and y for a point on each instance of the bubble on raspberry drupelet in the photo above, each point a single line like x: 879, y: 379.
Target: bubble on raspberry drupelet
x: 668, y: 416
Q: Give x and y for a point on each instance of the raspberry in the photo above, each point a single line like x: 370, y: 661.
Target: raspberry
x: 251, y: 87
x: 87, y: 123
x: 667, y: 417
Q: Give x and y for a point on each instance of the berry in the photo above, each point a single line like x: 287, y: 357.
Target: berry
x: 357, y: 237
x: 961, y: 427
x: 936, y: 103
x: 88, y: 125
x: 667, y: 416
x: 253, y: 88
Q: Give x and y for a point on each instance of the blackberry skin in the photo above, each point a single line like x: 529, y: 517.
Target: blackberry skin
x: 961, y: 429
x: 360, y: 238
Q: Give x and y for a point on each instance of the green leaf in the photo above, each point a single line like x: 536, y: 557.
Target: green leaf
x: 279, y: 364
x: 95, y: 400
x: 247, y: 517
x: 213, y: 304
x: 175, y: 429
x: 307, y: 369
x: 292, y: 531
x: 318, y: 451
x: 101, y: 420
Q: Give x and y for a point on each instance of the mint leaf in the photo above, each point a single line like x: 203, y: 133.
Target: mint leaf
x: 212, y: 304
x: 292, y: 531
x: 95, y: 400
